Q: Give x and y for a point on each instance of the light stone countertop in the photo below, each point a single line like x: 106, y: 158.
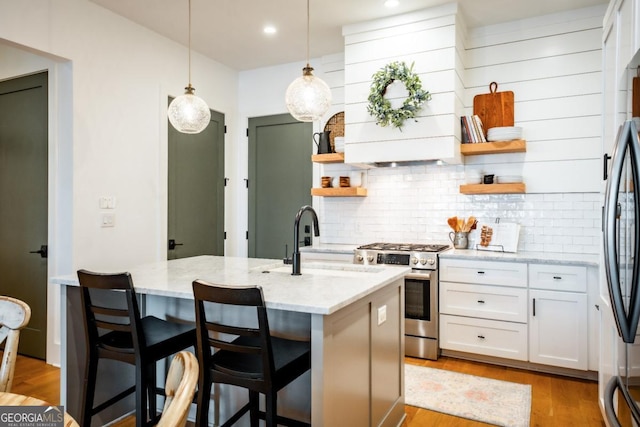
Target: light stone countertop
x: 330, y: 248
x: 323, y: 289
x: 588, y: 260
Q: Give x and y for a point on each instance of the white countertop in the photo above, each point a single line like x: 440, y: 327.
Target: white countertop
x: 588, y: 260
x: 323, y: 289
x: 330, y: 248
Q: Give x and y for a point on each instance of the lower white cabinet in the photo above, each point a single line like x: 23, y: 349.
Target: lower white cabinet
x: 558, y: 329
x: 529, y: 312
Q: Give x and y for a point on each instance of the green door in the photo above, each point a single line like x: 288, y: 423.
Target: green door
x: 196, y: 191
x: 23, y: 202
x: 280, y: 180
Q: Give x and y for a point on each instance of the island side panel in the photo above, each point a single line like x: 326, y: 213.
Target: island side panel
x: 349, y: 350
x: 387, y: 356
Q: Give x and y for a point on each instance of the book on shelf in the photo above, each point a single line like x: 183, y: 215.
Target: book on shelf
x: 472, y: 129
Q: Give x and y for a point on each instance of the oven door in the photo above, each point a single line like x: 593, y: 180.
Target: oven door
x: 421, y: 304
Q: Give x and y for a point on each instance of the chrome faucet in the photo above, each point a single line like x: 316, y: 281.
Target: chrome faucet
x: 296, y: 230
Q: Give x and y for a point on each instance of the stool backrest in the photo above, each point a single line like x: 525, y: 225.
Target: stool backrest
x: 14, y: 315
x: 179, y: 388
x: 120, y: 314
x: 231, y: 333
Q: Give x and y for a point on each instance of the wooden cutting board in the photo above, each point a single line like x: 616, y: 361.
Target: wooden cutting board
x: 495, y: 109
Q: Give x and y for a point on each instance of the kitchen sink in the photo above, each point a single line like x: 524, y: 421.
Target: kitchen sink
x: 320, y: 269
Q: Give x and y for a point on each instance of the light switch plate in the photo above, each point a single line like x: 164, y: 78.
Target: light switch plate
x: 382, y: 315
x: 108, y: 220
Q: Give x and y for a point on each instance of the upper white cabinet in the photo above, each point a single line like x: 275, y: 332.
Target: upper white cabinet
x: 428, y: 39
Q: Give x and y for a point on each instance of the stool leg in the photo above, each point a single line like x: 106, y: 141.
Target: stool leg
x: 254, y: 408
x: 141, y: 395
x: 151, y: 384
x: 271, y: 408
x: 203, y: 400
x: 90, y: 375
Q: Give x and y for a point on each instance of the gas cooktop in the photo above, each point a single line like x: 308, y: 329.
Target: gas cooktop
x: 405, y: 247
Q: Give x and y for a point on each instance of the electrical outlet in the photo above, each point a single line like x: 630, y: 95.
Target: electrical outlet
x: 382, y: 315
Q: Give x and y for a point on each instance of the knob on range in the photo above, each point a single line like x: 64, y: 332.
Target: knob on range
x: 370, y: 258
x: 414, y: 260
x: 360, y: 258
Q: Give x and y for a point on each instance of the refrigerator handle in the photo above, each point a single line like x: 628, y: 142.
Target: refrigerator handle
x: 634, y: 302
x: 612, y: 269
x: 609, y: 410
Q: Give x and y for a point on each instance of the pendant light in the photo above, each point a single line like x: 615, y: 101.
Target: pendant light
x: 308, y: 97
x: 188, y: 113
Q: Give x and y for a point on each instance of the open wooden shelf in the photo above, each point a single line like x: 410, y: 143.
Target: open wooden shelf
x: 328, y: 158
x: 496, y: 147
x: 514, y: 188
x: 339, y: 192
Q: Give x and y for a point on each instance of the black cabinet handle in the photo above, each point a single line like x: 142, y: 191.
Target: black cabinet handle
x: 605, y: 160
x: 534, y: 307
x: 480, y: 272
x: 481, y: 337
x: 44, y: 252
x: 557, y: 278
x: 480, y: 301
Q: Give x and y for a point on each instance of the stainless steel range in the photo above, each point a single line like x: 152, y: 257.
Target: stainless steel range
x: 421, y: 290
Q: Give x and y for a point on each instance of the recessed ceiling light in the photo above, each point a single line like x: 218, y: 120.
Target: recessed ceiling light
x: 270, y: 29
x: 391, y: 3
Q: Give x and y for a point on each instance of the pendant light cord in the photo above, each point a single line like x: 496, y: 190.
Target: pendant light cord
x: 308, y: 33
x: 189, y: 43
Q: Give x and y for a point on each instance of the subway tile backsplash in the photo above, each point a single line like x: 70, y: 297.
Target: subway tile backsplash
x: 412, y: 204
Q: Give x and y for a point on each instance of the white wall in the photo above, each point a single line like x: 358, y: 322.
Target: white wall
x: 109, y: 81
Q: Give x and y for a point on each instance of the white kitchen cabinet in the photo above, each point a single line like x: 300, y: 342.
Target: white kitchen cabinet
x: 558, y: 329
x: 483, y: 308
x: 558, y: 316
x: 531, y: 312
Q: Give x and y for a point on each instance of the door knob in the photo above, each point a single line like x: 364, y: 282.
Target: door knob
x: 43, y: 251
x: 173, y: 244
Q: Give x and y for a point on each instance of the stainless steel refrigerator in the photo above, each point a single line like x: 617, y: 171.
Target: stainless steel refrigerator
x: 620, y: 228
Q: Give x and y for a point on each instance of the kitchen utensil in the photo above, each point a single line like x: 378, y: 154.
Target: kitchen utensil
x: 323, y: 142
x: 459, y: 239
x: 325, y: 182
x: 488, y: 179
x: 453, y: 223
x: 344, y: 181
x: 495, y: 109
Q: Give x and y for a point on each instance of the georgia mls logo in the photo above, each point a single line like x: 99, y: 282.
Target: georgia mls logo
x: 31, y: 416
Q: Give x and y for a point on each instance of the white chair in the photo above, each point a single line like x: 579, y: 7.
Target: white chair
x: 180, y: 388
x: 14, y: 315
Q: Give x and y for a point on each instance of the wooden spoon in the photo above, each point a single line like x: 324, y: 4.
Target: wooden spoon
x: 452, y: 222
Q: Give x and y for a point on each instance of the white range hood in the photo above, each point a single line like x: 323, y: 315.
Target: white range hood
x: 430, y: 39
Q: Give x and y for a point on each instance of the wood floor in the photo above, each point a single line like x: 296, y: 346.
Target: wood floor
x: 556, y: 400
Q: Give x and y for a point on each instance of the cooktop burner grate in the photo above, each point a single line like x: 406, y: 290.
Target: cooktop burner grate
x: 405, y: 247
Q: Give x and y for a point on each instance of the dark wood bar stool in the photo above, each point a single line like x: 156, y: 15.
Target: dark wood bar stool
x: 234, y: 353
x: 115, y: 330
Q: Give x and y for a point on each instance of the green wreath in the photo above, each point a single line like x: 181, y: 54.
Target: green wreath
x: 380, y: 108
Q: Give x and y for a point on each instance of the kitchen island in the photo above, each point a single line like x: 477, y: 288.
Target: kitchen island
x: 353, y: 316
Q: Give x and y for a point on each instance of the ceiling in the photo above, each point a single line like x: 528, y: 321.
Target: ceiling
x: 230, y: 31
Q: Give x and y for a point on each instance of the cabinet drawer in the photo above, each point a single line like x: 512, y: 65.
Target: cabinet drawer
x: 570, y: 278
x: 481, y: 336
x: 488, y: 302
x: 484, y: 272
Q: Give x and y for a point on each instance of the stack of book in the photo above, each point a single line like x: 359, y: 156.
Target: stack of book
x: 472, y: 130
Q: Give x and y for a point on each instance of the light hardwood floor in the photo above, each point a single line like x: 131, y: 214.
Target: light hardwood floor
x: 556, y: 400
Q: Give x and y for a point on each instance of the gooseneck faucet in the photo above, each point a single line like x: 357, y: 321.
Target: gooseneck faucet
x: 296, y: 230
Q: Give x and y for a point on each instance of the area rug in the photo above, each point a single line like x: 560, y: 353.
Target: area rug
x: 486, y: 400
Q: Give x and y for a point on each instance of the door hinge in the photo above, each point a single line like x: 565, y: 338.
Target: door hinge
x: 247, y: 235
x: 247, y: 132
x: 225, y: 235
x: 226, y: 181
x: 225, y: 129
x: 246, y: 182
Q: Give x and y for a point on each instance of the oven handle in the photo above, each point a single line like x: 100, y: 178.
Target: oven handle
x: 418, y: 276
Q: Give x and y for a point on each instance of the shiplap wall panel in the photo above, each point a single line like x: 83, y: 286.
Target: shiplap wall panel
x: 438, y: 105
x: 426, y: 127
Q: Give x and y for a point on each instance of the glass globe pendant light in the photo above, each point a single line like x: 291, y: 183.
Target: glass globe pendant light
x: 308, y: 97
x: 188, y: 113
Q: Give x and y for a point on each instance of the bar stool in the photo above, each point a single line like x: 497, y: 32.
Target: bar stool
x: 116, y: 331
x: 244, y: 356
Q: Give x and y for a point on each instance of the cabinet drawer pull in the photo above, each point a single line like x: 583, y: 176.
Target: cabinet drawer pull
x: 480, y: 301
x: 557, y: 278
x: 481, y: 337
x: 480, y: 272
x: 534, y: 307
